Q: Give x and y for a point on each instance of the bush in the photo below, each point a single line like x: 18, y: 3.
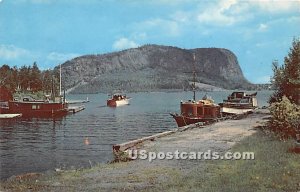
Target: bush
x: 285, y: 118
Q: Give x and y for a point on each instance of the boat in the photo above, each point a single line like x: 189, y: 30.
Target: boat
x: 204, y: 110
x: 29, y: 107
x: 118, y: 100
x: 192, y: 111
x: 239, y: 103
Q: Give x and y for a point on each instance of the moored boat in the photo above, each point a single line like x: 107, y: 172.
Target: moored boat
x: 118, y: 100
x: 27, y: 106
x: 30, y: 107
x: 204, y: 110
x: 239, y: 103
x: 192, y: 111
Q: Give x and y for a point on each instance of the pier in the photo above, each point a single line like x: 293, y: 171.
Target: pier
x: 75, y: 109
x: 120, y: 149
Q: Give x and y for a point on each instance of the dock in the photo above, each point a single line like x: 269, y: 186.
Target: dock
x: 120, y: 149
x: 75, y: 109
x: 117, y: 148
x: 78, y: 101
x: 9, y: 116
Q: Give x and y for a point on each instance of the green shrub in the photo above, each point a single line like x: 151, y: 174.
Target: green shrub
x: 285, y: 118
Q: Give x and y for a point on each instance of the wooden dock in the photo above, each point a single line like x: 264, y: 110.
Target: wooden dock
x: 78, y: 101
x: 76, y: 109
x: 9, y: 116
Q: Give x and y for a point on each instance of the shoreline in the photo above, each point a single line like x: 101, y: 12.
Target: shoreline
x: 175, y: 91
x: 220, y: 136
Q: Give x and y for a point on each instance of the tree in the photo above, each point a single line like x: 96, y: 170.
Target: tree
x: 4, y: 71
x: 47, y: 81
x: 23, y: 78
x: 286, y: 79
x: 14, y: 78
x: 35, y: 78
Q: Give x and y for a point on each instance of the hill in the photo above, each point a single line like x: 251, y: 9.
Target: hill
x: 153, y: 67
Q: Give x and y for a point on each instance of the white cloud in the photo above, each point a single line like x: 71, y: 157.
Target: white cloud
x: 262, y: 27
x: 229, y: 12
x: 124, y: 43
x: 218, y: 14
x: 61, y: 57
x: 277, y: 5
x: 12, y: 52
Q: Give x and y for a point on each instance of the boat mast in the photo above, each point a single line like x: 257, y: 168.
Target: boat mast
x: 194, y: 78
x: 59, y: 79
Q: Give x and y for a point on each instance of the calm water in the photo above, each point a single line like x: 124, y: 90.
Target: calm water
x: 84, y: 138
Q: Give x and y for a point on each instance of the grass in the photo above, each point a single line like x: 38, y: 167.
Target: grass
x: 274, y: 169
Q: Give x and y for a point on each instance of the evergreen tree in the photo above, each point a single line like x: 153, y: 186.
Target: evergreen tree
x: 286, y: 79
x: 24, y: 80
x: 47, y: 81
x: 4, y: 72
x: 35, y: 78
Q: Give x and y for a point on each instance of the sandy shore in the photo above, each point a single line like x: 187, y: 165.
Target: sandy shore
x: 142, y: 174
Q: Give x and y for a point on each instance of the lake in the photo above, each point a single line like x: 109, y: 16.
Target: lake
x: 86, y: 138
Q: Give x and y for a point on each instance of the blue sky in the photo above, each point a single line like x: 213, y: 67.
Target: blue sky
x: 53, y: 31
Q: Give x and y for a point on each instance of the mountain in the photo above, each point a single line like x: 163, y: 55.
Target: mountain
x: 152, y: 67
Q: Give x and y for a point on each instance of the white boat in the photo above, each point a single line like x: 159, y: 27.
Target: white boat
x: 117, y: 100
x: 239, y: 103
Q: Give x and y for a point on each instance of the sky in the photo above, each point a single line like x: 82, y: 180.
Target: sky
x: 51, y: 32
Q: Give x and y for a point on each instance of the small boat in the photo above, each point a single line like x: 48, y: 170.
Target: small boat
x: 239, y: 103
x: 118, y: 100
x: 192, y: 111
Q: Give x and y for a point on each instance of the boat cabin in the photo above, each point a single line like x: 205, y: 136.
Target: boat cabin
x: 242, y: 98
x: 200, y: 109
x: 118, y: 97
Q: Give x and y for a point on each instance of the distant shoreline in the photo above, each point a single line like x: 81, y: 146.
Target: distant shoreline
x: 172, y: 91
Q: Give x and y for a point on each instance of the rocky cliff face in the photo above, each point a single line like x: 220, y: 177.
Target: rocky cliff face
x: 152, y: 67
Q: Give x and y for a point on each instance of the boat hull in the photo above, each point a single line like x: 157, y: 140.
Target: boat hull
x: 184, y: 120
x: 117, y: 103
x: 238, y: 111
x: 38, y: 109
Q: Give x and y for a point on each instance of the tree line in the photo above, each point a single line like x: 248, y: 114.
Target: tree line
x: 29, y: 79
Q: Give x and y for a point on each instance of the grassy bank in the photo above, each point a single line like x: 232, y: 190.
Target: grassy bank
x: 274, y: 169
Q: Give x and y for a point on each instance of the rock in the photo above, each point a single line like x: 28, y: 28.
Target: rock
x: 153, y: 67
